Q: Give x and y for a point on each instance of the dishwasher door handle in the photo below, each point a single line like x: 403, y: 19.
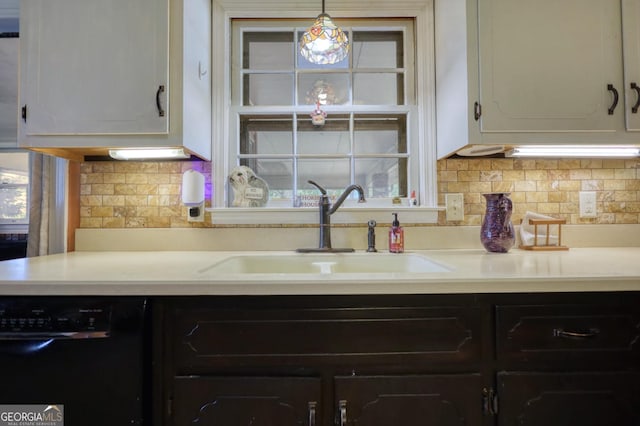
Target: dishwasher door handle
x: 53, y: 335
x: 25, y: 343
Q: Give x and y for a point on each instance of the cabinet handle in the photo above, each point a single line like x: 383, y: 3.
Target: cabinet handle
x: 634, y: 109
x: 477, y: 110
x: 576, y: 334
x: 312, y: 413
x: 158, y: 105
x: 615, y: 98
x: 342, y: 405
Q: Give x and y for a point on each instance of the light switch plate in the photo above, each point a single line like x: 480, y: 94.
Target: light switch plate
x: 588, y: 204
x: 454, y: 207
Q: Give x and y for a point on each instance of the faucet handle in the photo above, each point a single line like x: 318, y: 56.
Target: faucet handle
x: 322, y: 190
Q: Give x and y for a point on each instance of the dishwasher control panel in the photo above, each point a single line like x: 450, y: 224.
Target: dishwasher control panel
x: 48, y: 316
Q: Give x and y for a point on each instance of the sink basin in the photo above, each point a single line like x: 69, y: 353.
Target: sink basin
x: 333, y: 263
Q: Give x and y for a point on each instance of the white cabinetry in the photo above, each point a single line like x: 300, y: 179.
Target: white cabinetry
x: 119, y: 73
x: 8, y: 92
x: 546, y: 65
x: 514, y: 73
x: 631, y: 43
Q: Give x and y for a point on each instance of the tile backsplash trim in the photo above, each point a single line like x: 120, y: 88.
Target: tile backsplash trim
x: 147, y: 194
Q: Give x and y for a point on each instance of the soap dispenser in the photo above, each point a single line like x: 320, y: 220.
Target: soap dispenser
x: 396, y: 236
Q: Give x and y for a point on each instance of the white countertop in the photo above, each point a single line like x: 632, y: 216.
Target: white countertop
x: 183, y: 273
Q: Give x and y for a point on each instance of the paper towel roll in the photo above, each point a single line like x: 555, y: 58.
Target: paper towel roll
x: 192, y: 188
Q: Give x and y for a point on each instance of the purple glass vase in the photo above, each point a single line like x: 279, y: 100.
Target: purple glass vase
x: 497, y: 234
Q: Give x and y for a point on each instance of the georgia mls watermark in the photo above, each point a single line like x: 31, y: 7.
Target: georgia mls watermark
x: 32, y: 415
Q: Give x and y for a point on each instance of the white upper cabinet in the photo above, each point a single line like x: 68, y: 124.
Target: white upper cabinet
x: 8, y: 92
x: 94, y: 67
x: 631, y: 27
x: 117, y: 73
x: 546, y: 65
x: 519, y: 72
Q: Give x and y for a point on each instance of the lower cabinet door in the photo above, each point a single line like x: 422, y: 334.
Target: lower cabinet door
x: 242, y: 401
x: 439, y: 400
x: 561, y: 399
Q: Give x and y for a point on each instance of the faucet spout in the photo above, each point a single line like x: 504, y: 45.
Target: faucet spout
x: 344, y: 196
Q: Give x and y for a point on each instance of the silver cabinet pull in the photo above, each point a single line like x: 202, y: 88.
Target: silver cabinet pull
x: 312, y: 413
x: 576, y: 334
x: 342, y: 405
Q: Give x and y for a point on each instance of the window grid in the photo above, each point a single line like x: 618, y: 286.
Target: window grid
x: 300, y: 110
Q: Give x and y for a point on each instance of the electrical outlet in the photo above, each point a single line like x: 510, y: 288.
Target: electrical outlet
x: 195, y: 213
x: 588, y: 204
x: 455, y: 207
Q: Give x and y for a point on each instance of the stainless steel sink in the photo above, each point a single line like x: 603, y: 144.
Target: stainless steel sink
x: 330, y: 263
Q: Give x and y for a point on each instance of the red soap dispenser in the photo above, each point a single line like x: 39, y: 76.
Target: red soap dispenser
x: 396, y: 236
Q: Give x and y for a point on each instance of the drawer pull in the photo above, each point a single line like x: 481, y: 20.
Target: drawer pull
x: 342, y: 405
x: 576, y: 334
x: 312, y: 413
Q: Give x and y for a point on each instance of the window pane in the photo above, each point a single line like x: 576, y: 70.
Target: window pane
x: 377, y: 49
x: 332, y: 138
x: 332, y: 174
x: 378, y: 89
x: 328, y: 89
x: 304, y: 64
x: 267, y: 50
x: 268, y: 89
x: 13, y: 203
x: 380, y: 135
x: 278, y: 174
x: 266, y: 134
x: 14, y: 187
x: 382, y: 177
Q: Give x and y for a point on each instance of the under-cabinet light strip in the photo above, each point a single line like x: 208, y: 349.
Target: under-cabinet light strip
x: 574, y: 151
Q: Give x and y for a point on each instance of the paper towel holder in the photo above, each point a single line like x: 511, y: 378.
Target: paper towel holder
x: 193, y: 195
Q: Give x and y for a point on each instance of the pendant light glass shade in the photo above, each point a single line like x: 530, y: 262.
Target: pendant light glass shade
x: 324, y: 43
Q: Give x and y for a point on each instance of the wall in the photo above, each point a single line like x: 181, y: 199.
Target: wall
x: 147, y: 194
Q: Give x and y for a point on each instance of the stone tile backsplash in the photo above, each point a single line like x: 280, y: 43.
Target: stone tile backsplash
x: 147, y: 194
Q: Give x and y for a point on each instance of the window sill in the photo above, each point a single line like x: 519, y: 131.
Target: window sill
x: 309, y: 215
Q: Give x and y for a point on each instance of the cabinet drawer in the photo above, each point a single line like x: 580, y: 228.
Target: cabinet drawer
x: 568, y: 332
x: 326, y: 335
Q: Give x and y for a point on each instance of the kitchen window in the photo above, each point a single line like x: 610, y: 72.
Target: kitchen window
x: 14, y: 191
x: 374, y: 113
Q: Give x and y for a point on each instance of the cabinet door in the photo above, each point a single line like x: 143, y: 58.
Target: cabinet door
x: 561, y: 399
x: 241, y: 401
x: 442, y: 400
x: 546, y: 65
x: 8, y: 92
x: 93, y: 66
x: 631, y: 35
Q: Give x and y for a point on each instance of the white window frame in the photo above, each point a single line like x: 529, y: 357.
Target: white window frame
x: 224, y: 11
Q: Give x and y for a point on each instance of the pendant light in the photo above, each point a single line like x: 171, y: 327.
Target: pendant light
x: 324, y: 43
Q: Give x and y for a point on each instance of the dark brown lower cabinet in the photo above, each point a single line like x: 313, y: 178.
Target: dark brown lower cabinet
x: 566, y: 399
x: 243, y: 401
x: 438, y: 400
x: 566, y: 359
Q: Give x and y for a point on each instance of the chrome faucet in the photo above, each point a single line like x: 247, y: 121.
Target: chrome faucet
x: 326, y: 210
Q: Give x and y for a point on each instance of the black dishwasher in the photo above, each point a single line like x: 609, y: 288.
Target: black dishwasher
x: 86, y: 355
